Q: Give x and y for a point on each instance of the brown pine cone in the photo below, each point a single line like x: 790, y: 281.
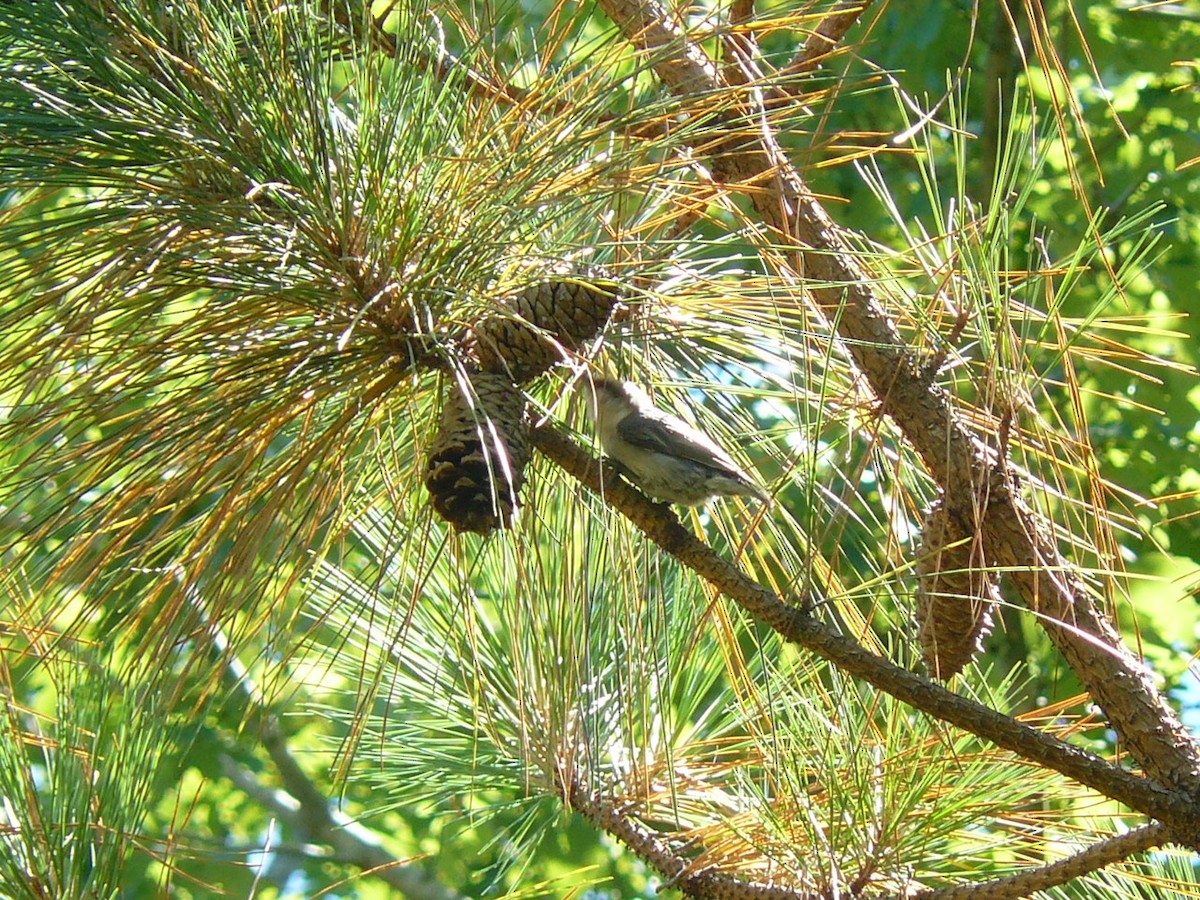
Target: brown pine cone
x: 955, y: 594
x: 477, y: 460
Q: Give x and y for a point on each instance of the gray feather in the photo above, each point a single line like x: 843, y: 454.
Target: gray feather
x: 649, y: 432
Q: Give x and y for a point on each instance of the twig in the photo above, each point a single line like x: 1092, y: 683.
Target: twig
x: 963, y: 465
x: 351, y: 843
x: 741, y: 12
x: 1101, y: 854
x: 825, y: 37
x: 303, y: 806
x: 705, y: 883
x: 663, y: 527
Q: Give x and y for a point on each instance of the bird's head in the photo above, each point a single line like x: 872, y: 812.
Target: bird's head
x: 610, y: 400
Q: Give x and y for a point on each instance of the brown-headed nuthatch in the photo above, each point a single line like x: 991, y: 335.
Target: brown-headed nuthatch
x: 663, y: 455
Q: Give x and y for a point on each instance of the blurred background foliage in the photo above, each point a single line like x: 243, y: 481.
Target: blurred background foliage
x: 444, y: 692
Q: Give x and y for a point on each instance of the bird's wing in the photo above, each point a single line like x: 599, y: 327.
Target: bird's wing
x: 679, y: 439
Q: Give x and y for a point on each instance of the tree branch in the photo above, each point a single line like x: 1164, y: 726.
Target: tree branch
x: 657, y: 522
x: 962, y: 464
x: 825, y: 37
x: 351, y: 842
x: 305, y: 807
x: 704, y: 883
x: 1101, y: 854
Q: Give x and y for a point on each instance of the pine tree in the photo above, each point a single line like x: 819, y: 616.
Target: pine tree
x: 316, y: 580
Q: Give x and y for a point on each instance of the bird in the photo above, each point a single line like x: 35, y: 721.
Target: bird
x: 666, y: 457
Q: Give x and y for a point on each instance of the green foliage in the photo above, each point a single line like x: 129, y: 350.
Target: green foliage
x: 237, y: 244
x: 84, y: 755
x: 1125, y: 154
x: 265, y: 248
x: 589, y: 667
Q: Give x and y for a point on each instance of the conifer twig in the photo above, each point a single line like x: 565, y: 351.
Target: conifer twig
x: 825, y: 37
x: 303, y: 805
x: 352, y: 844
x: 653, y: 849
x: 1097, y: 856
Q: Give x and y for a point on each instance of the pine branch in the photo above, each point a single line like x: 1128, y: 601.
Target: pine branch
x: 304, y: 806
x: 703, y: 884
x: 825, y: 37
x: 1094, y: 858
x: 1178, y: 810
x: 352, y: 844
x: 658, y: 853
x: 1014, y: 537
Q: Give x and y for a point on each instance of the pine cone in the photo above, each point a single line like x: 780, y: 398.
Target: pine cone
x: 542, y: 325
x: 955, y: 594
x: 477, y: 461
